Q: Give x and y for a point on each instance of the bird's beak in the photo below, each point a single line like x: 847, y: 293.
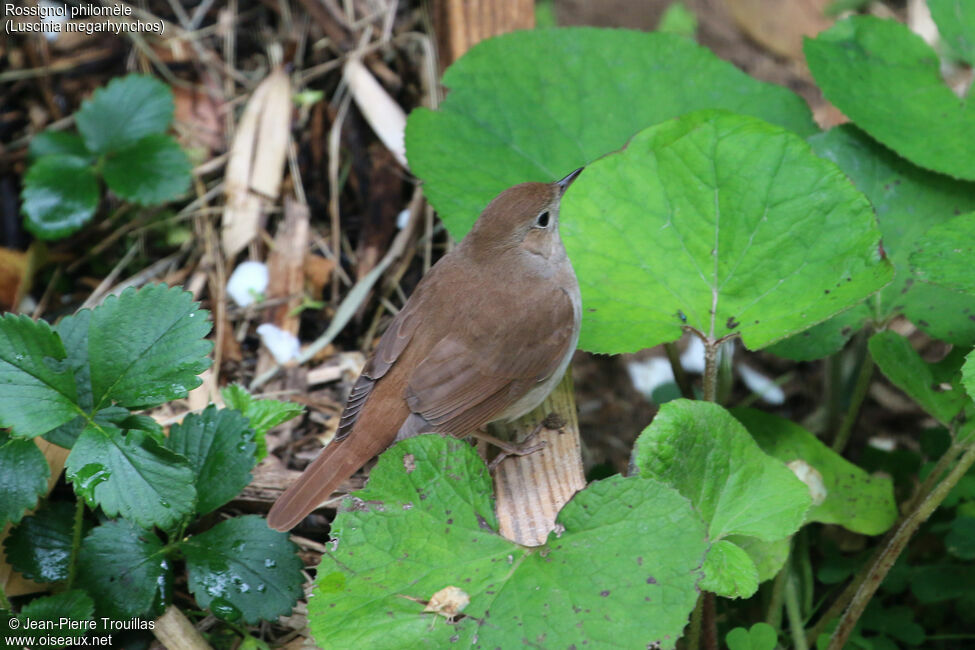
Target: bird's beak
x: 567, y: 181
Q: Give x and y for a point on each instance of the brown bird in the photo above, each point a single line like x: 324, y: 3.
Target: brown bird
x: 486, y: 335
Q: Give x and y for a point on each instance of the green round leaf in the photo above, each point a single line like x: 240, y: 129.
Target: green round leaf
x: 718, y: 222
x: 40, y: 547
x: 23, y: 477
x: 48, y: 143
x: 700, y: 450
x: 125, y: 111
x: 944, y: 255
x: 534, y: 105
x: 219, y: 444
x: 39, y: 391
x: 854, y: 499
x: 620, y: 572
x: 761, y: 636
x: 960, y: 539
x: 123, y: 568
x: 74, y: 605
x: 908, y: 201
x: 241, y: 569
x: 60, y: 195
x: 956, y: 24
x: 887, y: 80
x: 146, y: 347
x: 730, y: 571
x: 131, y: 475
x: 153, y: 170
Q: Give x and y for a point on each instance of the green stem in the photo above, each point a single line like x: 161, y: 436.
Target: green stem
x: 879, y: 569
x: 774, y: 615
x: 709, y: 622
x: 794, y: 610
x: 833, y: 380
x: 856, y: 401
x: 4, y: 602
x: 79, y: 513
x: 683, y: 382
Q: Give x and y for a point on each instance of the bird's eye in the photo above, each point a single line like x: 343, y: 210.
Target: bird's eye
x: 542, y: 220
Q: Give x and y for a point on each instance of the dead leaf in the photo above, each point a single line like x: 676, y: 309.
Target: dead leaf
x: 779, y: 26
x: 256, y: 161
x: 381, y: 111
x: 448, y: 602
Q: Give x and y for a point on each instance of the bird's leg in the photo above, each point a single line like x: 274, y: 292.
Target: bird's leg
x: 522, y: 448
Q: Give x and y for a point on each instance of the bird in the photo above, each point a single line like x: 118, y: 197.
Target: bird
x: 486, y: 335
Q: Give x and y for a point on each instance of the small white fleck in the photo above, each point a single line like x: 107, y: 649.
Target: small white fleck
x: 247, y: 282
x: 284, y: 346
x: 403, y: 218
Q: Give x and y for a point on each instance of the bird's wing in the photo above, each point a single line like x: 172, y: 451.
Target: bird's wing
x: 390, y: 347
x: 472, y: 376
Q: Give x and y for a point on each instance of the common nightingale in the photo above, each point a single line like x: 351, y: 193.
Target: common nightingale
x: 486, y: 335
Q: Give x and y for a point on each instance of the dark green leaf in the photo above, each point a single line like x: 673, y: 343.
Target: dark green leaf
x: 264, y: 414
x: 123, y: 569
x: 904, y: 367
x: 511, y: 109
x: 220, y: 447
x: 48, y: 143
x: 887, y: 80
x: 942, y: 582
x: 74, y: 605
x: 23, y: 477
x: 673, y: 232
x: 960, y: 539
x: 60, y: 195
x: 153, y: 170
x: 40, y: 547
x: 854, y: 499
x: 896, y: 622
x: 242, y: 569
x: 705, y: 454
x: 956, y: 24
x: 146, y: 347
x: 39, y: 392
x: 125, y: 111
x: 131, y: 475
x: 620, y: 572
x: 944, y: 255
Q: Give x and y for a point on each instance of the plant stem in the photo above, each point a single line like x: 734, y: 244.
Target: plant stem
x: 709, y: 622
x: 679, y: 375
x: 774, y: 615
x: 794, y: 610
x: 841, y: 602
x: 710, y: 370
x: 79, y: 513
x: 856, y: 401
x: 694, y: 634
x: 879, y: 568
x: 4, y: 602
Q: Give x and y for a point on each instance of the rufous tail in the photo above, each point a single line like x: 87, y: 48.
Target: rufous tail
x: 336, y: 463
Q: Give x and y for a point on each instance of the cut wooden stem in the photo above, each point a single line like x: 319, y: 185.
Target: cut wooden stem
x: 532, y: 489
x: 890, y: 552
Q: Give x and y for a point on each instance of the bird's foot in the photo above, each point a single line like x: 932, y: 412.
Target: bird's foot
x: 523, y: 448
